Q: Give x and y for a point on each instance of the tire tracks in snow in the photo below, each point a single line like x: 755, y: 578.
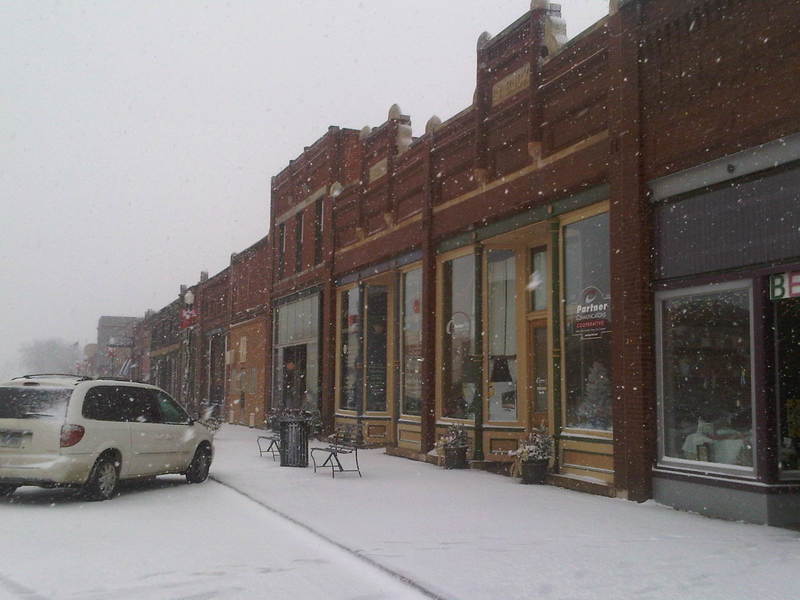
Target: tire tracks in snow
x: 371, y: 562
x: 19, y: 590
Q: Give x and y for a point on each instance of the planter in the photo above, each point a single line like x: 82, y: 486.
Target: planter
x: 534, y: 471
x: 455, y: 457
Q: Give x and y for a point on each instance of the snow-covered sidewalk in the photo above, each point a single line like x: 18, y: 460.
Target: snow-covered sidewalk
x: 471, y: 534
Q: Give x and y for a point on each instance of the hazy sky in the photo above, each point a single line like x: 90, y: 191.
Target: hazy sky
x: 137, y: 138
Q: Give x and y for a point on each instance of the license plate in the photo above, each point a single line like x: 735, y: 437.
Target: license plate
x: 10, y: 439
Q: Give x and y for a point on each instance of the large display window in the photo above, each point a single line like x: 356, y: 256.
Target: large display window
x: 296, y: 356
x: 365, y: 346
x: 350, y: 347
x: 787, y: 384
x: 461, y: 360
x: 501, y: 317
x: 587, y: 324
x: 411, y: 343
x: 705, y: 374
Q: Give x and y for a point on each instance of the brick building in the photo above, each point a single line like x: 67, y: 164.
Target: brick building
x: 301, y: 290
x: 603, y: 243
x: 212, y: 297
x: 249, y: 335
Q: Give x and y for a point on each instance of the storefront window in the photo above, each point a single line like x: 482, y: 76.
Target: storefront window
x: 502, y: 330
x: 461, y: 367
x: 411, y: 379
x: 296, y: 356
x: 787, y: 338
x: 706, y: 379
x: 587, y: 318
x: 350, y: 350
x: 376, y: 334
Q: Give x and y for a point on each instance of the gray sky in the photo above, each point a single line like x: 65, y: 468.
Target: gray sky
x: 137, y: 138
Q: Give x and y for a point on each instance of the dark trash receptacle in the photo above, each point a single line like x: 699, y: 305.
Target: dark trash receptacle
x: 294, y: 441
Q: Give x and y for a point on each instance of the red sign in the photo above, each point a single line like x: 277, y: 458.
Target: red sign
x: 188, y: 317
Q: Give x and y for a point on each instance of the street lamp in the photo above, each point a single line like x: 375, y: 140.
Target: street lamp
x: 187, y: 320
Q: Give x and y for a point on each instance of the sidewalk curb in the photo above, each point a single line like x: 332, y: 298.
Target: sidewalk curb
x: 394, y: 574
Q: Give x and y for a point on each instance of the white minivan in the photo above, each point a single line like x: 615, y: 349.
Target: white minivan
x: 63, y: 430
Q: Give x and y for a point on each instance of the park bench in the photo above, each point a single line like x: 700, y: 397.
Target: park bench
x: 344, y: 441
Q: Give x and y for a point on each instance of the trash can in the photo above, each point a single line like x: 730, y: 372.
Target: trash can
x: 294, y: 441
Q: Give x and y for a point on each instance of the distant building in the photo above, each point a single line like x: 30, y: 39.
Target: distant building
x: 114, y: 345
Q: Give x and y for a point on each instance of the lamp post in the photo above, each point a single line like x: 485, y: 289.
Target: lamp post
x: 187, y: 320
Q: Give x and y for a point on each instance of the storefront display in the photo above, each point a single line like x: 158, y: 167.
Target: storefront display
x: 365, y: 346
x: 587, y: 342
x: 411, y: 341
x: 350, y: 349
x: 462, y: 363
x: 787, y: 364
x: 706, y: 383
x: 502, y: 335
x: 296, y: 355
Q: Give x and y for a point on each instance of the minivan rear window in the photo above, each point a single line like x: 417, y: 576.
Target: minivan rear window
x: 33, y: 402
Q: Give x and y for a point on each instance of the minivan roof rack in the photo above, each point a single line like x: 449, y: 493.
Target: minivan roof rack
x: 52, y: 375
x: 117, y: 378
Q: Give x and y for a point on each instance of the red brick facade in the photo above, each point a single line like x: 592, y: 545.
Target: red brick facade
x: 652, y: 89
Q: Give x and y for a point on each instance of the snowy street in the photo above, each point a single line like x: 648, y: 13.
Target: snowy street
x: 169, y: 540
x: 290, y: 533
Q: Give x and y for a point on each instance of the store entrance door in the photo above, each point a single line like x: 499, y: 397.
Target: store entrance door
x: 538, y: 380
x: 294, y: 376
x: 787, y: 385
x: 376, y: 341
x: 378, y: 365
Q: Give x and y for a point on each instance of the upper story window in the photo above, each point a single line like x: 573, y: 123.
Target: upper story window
x: 319, y: 227
x: 298, y: 243
x: 281, y: 250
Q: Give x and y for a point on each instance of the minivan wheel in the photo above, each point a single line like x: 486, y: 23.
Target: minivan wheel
x: 198, y: 468
x: 103, y: 480
x: 7, y: 490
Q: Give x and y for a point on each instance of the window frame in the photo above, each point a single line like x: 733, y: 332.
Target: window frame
x: 319, y: 228
x: 156, y: 397
x: 471, y: 250
x: 298, y: 242
x: 695, y: 465
x: 281, y: 250
x: 565, y: 430
x: 401, y: 295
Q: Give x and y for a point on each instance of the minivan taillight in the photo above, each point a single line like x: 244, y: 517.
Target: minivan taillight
x: 71, y: 435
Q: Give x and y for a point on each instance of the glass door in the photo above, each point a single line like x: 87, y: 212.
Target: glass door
x: 376, y: 347
x: 538, y: 379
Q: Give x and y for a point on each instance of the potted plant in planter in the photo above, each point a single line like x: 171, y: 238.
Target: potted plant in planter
x: 455, y: 443
x: 533, y: 456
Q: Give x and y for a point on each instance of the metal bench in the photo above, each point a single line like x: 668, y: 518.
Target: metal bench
x: 343, y: 442
x: 271, y: 442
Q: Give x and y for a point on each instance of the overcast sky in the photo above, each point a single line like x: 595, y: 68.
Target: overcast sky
x: 137, y: 138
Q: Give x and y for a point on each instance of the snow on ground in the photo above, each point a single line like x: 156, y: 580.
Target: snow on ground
x: 475, y: 535
x: 169, y: 540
